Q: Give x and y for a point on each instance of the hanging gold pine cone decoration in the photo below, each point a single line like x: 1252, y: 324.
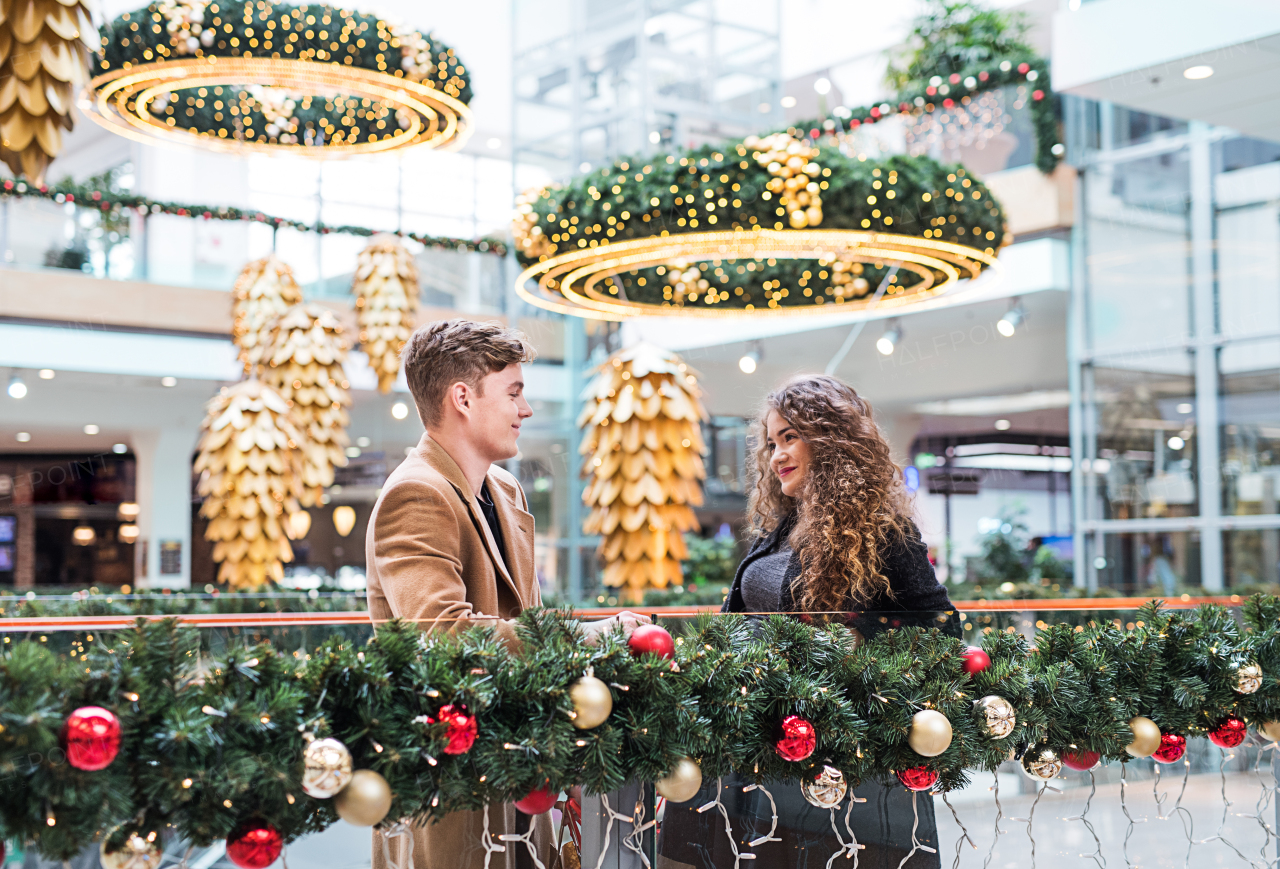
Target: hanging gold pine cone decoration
x: 643, y: 454
x: 386, y: 291
x: 264, y: 290
x: 44, y: 61
x: 249, y: 471
x: 303, y: 362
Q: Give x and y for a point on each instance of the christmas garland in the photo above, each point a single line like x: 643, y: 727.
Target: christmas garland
x: 777, y: 182
x: 140, y: 730
x: 115, y: 204
x: 324, y: 35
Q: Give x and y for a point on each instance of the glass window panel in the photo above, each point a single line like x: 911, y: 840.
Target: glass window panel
x: 1249, y: 395
x: 1156, y: 563
x: 1249, y: 267
x: 1137, y: 254
x: 1251, y: 558
x: 1144, y: 461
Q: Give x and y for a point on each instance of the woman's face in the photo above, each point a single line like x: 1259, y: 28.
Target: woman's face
x: 788, y: 454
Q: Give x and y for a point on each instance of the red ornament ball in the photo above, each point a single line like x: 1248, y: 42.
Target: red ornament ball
x: 537, y: 802
x: 651, y: 639
x: 91, y: 738
x: 796, y: 738
x: 1080, y: 760
x: 1172, y: 748
x: 918, y: 778
x: 1229, y: 732
x: 975, y: 660
x: 461, y: 731
x: 254, y: 845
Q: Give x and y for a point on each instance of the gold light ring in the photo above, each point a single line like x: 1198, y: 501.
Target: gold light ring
x: 556, y: 276
x: 448, y: 120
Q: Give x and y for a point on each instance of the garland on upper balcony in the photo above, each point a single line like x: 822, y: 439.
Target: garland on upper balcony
x: 214, y: 739
x: 117, y: 205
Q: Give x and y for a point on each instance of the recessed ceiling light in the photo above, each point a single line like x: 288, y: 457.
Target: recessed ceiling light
x: 1195, y: 73
x: 168, y: 381
x: 24, y: 437
x: 47, y: 373
x: 494, y: 144
x: 1003, y: 425
x: 363, y: 442
x: 788, y: 102
x: 399, y: 410
x: 119, y: 449
x: 91, y: 429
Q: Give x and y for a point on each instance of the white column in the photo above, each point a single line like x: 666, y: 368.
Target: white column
x: 164, y: 502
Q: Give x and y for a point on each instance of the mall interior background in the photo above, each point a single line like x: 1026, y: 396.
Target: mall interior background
x: 1130, y: 424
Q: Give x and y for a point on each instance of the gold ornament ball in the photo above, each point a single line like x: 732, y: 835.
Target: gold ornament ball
x: 135, y: 853
x: 930, y: 733
x: 1248, y: 678
x: 328, y: 768
x: 827, y: 790
x: 592, y: 702
x: 365, y: 801
x: 1146, y: 737
x: 1271, y: 730
x: 683, y: 783
x: 1041, y: 763
x: 998, y: 716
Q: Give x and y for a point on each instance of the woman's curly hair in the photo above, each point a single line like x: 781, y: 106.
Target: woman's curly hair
x: 853, y: 504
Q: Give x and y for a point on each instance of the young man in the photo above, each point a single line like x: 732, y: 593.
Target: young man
x: 450, y: 540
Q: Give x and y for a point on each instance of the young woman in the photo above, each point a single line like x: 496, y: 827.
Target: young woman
x: 834, y: 540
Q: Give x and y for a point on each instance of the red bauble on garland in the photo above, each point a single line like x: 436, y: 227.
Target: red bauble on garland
x: 462, y: 729
x: 91, y: 738
x: 1080, y: 759
x: 254, y: 845
x: 1229, y: 732
x: 537, y: 802
x: 918, y: 778
x: 651, y: 639
x: 1172, y: 748
x: 975, y: 660
x: 796, y: 738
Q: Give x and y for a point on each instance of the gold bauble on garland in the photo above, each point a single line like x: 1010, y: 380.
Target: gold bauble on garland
x: 1041, y: 763
x: 643, y: 448
x: 303, y: 361
x: 1270, y: 729
x: 592, y: 702
x: 44, y: 61
x: 249, y: 471
x: 326, y: 768
x: 365, y: 801
x: 827, y: 789
x: 998, y: 717
x: 135, y: 853
x: 386, y: 289
x: 1146, y: 737
x: 930, y: 733
x: 1248, y: 678
x: 264, y: 290
x: 683, y: 782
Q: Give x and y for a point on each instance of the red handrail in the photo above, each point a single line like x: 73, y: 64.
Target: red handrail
x: 269, y: 620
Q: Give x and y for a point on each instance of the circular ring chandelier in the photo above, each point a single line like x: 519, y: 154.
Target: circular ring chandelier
x: 257, y: 77
x: 584, y: 283
x: 773, y: 226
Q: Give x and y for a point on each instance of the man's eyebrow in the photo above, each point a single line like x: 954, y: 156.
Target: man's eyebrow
x: 519, y: 384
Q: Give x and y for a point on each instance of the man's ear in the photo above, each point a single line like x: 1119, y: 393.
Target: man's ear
x: 459, y: 398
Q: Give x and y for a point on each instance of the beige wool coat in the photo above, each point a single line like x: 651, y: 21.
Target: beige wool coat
x: 430, y: 557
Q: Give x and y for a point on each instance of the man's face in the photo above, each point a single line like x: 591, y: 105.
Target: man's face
x: 498, y: 409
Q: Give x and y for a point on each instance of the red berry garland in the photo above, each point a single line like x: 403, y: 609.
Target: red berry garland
x: 1080, y: 760
x: 91, y: 738
x: 254, y: 845
x: 651, y: 639
x: 1172, y: 748
x: 918, y: 778
x: 796, y: 738
x: 1229, y: 732
x: 461, y: 731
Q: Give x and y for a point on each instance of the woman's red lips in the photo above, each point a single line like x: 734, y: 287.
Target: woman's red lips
x: 783, y: 472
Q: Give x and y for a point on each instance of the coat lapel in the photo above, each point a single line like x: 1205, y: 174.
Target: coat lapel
x: 444, y: 463
x: 517, y: 530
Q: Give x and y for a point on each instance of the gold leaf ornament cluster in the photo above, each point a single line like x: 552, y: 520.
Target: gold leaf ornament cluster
x: 250, y: 474
x: 643, y: 454
x: 386, y: 291
x: 184, y: 22
x: 530, y: 238
x: 303, y: 362
x: 44, y: 61
x: 795, y: 178
x: 263, y: 292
